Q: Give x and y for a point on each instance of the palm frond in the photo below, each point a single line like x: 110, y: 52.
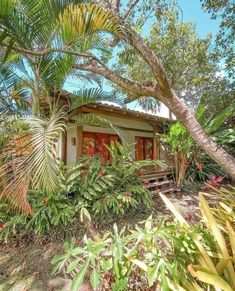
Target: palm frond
x: 53, y: 70
x: 86, y: 19
x: 31, y: 161
x: 93, y: 95
x: 149, y: 104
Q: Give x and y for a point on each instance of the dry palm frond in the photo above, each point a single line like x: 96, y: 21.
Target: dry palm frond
x: 31, y: 160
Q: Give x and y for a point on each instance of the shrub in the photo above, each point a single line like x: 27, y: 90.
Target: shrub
x: 112, y: 187
x: 174, y: 255
x: 115, y: 259
x: 49, y: 211
x: 89, y: 184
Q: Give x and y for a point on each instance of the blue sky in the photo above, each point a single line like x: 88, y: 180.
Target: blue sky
x: 193, y: 12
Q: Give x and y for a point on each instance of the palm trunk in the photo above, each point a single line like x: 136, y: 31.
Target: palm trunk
x: 36, y: 95
x: 35, y: 106
x: 216, y: 152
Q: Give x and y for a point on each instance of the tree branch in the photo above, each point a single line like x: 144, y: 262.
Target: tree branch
x: 131, y: 6
x: 150, y: 89
x: 48, y: 51
x: 115, y: 5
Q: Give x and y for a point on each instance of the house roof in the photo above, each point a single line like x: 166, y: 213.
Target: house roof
x: 117, y: 111
x: 102, y: 108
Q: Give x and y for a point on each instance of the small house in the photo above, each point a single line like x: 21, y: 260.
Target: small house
x: 136, y: 129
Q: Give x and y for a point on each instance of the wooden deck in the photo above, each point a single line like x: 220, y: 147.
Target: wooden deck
x: 159, y: 180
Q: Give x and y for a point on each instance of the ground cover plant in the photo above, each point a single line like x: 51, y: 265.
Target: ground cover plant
x: 90, y: 186
x: 173, y: 254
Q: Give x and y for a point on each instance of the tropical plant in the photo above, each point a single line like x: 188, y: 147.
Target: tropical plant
x: 112, y: 187
x: 124, y: 261
x: 172, y: 255
x: 212, y: 267
x: 180, y: 148
x: 87, y: 186
x: 30, y: 160
x: 225, y: 210
x: 202, y: 168
x: 190, y: 162
x: 50, y: 26
x: 49, y: 211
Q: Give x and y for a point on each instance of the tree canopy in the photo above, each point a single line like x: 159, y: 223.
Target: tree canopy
x: 60, y: 31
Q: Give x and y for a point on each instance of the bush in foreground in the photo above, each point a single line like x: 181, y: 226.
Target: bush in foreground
x: 174, y: 255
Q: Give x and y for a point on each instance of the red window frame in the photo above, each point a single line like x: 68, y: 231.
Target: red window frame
x: 141, y: 148
x: 99, y: 142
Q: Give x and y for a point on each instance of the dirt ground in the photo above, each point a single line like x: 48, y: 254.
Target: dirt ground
x: 25, y: 265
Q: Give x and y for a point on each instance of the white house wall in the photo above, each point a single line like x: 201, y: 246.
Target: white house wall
x: 127, y: 136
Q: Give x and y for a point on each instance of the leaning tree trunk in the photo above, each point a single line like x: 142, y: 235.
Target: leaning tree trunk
x: 159, y: 89
x: 216, y: 152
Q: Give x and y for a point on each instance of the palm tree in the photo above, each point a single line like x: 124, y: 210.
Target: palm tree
x: 53, y: 27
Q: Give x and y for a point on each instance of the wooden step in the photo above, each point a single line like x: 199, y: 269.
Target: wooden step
x: 155, y: 193
x: 156, y: 184
x: 156, y: 179
x: 154, y: 175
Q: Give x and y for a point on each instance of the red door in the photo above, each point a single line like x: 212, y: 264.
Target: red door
x: 95, y: 144
x: 143, y: 148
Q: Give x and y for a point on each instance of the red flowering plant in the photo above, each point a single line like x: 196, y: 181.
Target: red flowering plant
x: 179, y: 144
x: 50, y: 210
x: 202, y: 168
x: 113, y: 187
x: 216, y: 181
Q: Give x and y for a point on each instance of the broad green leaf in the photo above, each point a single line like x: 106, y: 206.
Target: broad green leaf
x: 79, y: 278
x: 221, y: 265
x: 95, y: 279
x: 106, y: 265
x: 173, y: 209
x: 220, y: 118
x: 153, y: 273
x: 231, y: 234
x: 214, y: 280
x: 140, y: 264
x: 201, y: 110
x: 73, y: 265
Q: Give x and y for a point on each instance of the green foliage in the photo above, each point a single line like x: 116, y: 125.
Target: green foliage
x: 185, y: 56
x: 51, y: 210
x: 191, y: 163
x: 224, y: 12
x: 48, y: 211
x: 213, y: 267
x: 172, y: 255
x: 86, y: 186
x: 144, y: 251
x: 55, y: 27
x: 225, y: 211
x: 180, y: 143
x: 115, y: 187
x: 30, y: 160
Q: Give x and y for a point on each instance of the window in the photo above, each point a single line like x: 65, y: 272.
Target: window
x: 143, y: 148
x: 94, y: 144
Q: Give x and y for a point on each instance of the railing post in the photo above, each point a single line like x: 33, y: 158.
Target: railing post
x: 64, y: 146
x: 79, y: 141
